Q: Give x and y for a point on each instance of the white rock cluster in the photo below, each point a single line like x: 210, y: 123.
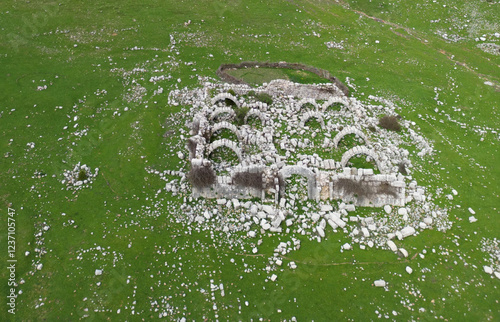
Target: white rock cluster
x: 71, y: 177
x: 291, y: 213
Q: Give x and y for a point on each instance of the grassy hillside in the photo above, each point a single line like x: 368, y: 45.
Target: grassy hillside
x: 89, y: 82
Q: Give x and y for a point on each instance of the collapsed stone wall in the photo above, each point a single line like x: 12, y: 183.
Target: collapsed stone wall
x: 224, y: 188
x: 322, y: 175
x: 378, y: 189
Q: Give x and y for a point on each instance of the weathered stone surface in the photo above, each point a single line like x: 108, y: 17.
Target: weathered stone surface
x: 407, y: 231
x: 392, y: 245
x: 223, y: 97
x: 346, y: 131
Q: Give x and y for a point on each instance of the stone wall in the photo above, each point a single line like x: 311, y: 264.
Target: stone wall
x: 372, y: 182
x: 322, y: 175
x: 225, y: 189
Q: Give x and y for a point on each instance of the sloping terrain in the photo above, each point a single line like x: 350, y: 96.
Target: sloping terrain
x: 89, y: 83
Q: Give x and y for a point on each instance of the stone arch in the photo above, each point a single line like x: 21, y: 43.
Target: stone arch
x: 226, y: 125
x: 333, y: 100
x: 346, y: 131
x: 257, y: 113
x: 310, y: 114
x: 223, y: 97
x: 225, y: 143
x: 304, y: 101
x: 361, y: 150
x: 312, y: 190
x: 221, y: 110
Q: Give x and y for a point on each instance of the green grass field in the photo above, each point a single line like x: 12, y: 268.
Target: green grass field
x: 89, y: 82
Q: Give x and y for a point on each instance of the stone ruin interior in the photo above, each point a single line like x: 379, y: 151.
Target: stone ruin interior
x: 263, y: 171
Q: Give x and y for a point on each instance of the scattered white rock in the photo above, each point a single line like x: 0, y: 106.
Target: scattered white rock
x: 407, y: 231
x: 409, y: 270
x: 488, y: 269
x: 379, y: 283
x: 472, y: 219
x: 320, y: 231
x: 98, y: 272
x: 392, y: 245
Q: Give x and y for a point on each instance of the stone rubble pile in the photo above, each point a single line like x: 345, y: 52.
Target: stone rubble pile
x: 71, y: 177
x: 277, y: 148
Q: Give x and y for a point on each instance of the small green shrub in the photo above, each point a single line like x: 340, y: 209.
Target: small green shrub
x: 251, y: 93
x: 241, y: 112
x: 229, y: 102
x: 232, y: 92
x: 264, y: 98
x: 82, y: 175
x: 389, y: 123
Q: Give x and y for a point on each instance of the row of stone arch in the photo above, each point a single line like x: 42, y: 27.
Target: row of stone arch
x: 332, y: 100
x: 325, y: 105
x: 251, y: 113
x: 357, y: 150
